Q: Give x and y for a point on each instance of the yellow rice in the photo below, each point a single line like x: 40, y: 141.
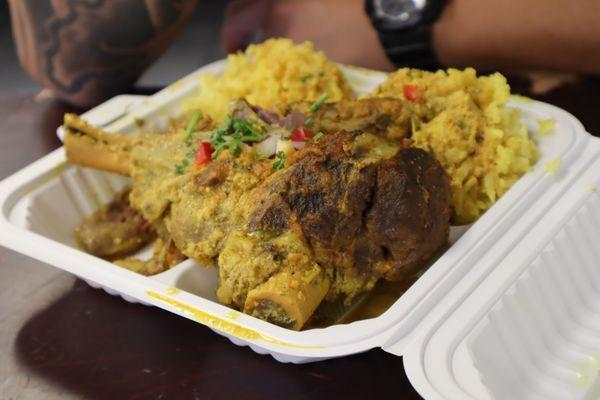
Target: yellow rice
x: 273, y: 75
x: 463, y: 120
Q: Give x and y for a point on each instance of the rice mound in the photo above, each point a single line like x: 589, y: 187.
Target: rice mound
x: 273, y: 75
x: 463, y: 120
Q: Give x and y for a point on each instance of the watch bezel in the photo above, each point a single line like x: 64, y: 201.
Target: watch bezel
x: 426, y: 13
x: 410, y: 17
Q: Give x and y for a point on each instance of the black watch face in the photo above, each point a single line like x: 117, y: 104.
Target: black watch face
x: 399, y: 14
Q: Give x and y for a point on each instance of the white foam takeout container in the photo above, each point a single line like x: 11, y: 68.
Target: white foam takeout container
x: 510, y: 311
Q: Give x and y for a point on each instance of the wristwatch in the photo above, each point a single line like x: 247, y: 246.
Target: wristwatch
x: 404, y: 28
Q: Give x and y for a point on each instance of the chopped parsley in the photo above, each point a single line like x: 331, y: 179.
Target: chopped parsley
x: 317, y: 137
x: 280, y: 162
x: 320, y: 101
x: 191, y: 154
x: 191, y: 125
x: 232, y: 133
x: 180, y: 168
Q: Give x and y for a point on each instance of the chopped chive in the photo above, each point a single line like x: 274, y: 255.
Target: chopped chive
x: 317, y: 104
x: 218, y: 149
x: 179, y: 169
x: 235, y: 149
x: 191, y: 125
x: 317, y: 137
x: 309, y: 121
x: 232, y: 133
x: 280, y: 163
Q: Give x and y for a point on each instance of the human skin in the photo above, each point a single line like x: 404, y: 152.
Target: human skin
x: 86, y: 52
x: 509, y: 34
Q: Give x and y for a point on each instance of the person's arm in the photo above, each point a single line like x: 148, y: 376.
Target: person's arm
x: 340, y: 28
x: 520, y: 34
x: 490, y: 34
x: 86, y: 52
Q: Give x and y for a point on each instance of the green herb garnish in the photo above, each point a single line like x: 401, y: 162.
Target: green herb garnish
x: 280, y: 163
x: 180, y: 168
x: 317, y: 137
x: 317, y: 104
x: 191, y: 125
x: 309, y: 121
x: 232, y: 133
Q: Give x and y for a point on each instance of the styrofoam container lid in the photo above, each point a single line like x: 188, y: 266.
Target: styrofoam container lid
x: 508, y: 311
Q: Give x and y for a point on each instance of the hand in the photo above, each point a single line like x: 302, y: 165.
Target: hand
x: 340, y: 28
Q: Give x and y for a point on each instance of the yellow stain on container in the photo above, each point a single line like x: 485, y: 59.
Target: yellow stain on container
x: 582, y: 379
x: 234, y: 315
x: 545, y: 126
x: 173, y: 87
x: 552, y: 166
x: 520, y: 303
x: 591, y: 187
x: 212, y: 321
x: 522, y: 99
x: 173, y: 291
x: 586, y: 368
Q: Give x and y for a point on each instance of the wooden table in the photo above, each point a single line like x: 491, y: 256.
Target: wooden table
x: 61, y: 339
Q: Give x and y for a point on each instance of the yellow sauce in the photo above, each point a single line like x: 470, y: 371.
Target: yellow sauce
x: 379, y: 300
x: 371, y: 305
x: 220, y: 324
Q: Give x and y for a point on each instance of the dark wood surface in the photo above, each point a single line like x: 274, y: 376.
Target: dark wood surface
x: 61, y: 339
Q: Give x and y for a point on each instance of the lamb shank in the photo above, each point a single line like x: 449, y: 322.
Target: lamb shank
x: 358, y: 205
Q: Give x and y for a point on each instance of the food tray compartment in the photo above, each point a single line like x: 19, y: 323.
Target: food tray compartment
x: 523, y: 324
x: 45, y: 201
x: 541, y: 339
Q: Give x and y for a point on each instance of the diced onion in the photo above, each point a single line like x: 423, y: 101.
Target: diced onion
x: 267, y: 147
x: 286, y: 146
x: 299, y: 145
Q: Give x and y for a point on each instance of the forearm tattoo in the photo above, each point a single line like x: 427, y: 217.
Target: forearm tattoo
x: 89, y: 50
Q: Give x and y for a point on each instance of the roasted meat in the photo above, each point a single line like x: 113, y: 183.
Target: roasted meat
x: 347, y: 212
x: 357, y: 206
x: 115, y: 229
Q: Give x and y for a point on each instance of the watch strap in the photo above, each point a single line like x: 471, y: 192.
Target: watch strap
x: 410, y: 47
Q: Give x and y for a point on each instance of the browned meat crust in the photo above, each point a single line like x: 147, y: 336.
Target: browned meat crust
x: 365, y: 208
x: 381, y: 217
x: 351, y: 209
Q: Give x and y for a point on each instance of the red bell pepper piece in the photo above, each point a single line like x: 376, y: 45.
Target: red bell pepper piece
x: 204, y: 153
